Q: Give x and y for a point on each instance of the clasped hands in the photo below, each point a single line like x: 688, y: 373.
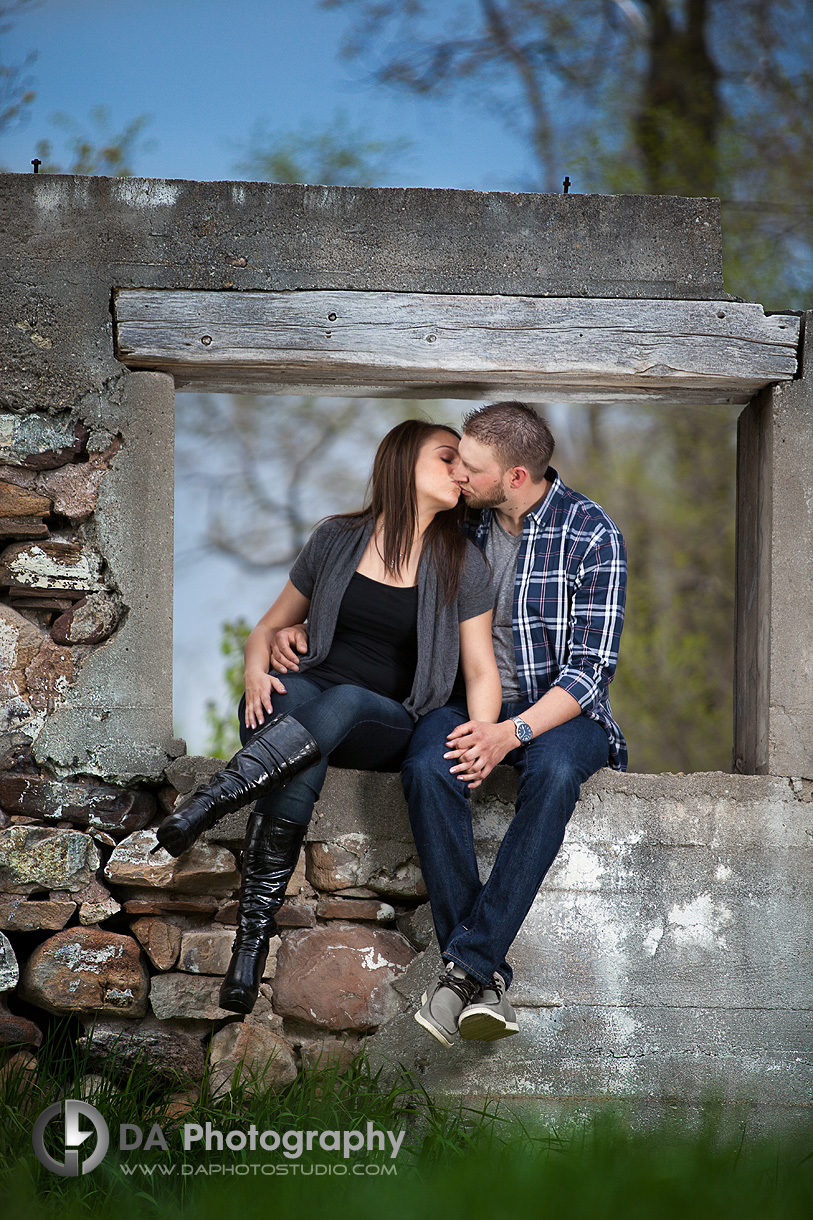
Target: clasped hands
x: 478, y: 746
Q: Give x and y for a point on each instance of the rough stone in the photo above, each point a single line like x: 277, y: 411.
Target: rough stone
x: 160, y: 940
x: 338, y: 977
x: 295, y: 915
x: 204, y: 869
x: 189, y: 772
x: 74, y: 489
x: 403, y: 880
x: 40, y: 443
x: 18, y: 501
x: 36, y: 858
x: 19, y: 915
x: 417, y: 927
x: 355, y: 908
x: 9, y: 970
x: 96, y: 904
x: 19, y: 1084
x: 49, y: 677
x: 192, y: 997
x: 297, y: 881
x: 329, y: 1054
x: 17, y: 1031
x: 331, y: 866
x: 20, y: 642
x: 100, y: 806
x: 208, y: 951
x: 169, y: 904
x: 172, y: 1055
x: 89, y: 621
x: 20, y: 528
x: 51, y: 567
x: 227, y: 912
x: 86, y: 970
x: 248, y: 1052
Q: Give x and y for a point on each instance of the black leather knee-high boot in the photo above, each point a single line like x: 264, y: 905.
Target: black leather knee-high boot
x: 277, y: 752
x: 269, y: 858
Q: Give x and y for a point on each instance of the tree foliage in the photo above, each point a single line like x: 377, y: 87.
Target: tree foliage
x: 17, y: 93
x: 98, y: 151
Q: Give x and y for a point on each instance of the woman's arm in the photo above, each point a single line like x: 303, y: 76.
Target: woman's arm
x: 483, y: 689
x: 290, y: 607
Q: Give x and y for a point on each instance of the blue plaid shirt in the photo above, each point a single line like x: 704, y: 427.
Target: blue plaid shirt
x: 569, y: 603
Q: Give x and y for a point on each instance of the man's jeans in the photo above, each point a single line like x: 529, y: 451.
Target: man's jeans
x: 475, y: 923
x: 352, y: 726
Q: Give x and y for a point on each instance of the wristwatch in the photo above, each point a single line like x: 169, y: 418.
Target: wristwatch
x: 524, y: 731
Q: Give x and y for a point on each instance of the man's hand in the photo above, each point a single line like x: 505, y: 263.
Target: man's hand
x: 258, y: 696
x: 283, y: 657
x: 479, y: 746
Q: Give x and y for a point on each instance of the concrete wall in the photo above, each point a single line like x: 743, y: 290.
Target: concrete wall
x: 665, y: 958
x: 774, y: 664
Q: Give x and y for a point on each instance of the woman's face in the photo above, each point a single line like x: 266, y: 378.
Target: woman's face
x: 436, y: 489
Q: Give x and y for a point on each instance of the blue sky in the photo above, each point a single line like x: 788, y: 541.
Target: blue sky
x: 206, y: 70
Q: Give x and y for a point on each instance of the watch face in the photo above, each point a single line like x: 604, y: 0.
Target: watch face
x: 524, y: 731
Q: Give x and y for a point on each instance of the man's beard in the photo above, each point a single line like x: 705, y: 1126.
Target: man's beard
x: 491, y: 498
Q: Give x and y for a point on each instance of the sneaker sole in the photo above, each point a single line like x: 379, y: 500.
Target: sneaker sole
x: 432, y: 1029
x: 485, y: 1026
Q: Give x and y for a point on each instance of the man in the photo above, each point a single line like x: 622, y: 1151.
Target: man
x: 559, y: 570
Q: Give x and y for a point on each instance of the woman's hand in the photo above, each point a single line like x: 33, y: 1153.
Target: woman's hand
x: 285, y: 641
x: 479, y: 747
x: 258, y: 696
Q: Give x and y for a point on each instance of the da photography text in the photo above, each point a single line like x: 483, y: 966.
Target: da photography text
x: 70, y: 1125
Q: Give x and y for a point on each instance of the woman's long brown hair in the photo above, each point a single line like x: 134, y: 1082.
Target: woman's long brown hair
x: 391, y: 495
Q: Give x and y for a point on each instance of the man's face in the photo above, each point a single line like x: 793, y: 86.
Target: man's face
x: 479, y: 475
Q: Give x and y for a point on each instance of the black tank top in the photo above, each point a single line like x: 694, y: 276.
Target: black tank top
x: 375, y: 644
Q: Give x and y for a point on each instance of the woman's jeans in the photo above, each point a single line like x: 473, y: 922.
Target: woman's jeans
x: 352, y: 726
x: 475, y: 922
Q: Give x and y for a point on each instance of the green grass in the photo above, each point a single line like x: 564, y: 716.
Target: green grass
x: 455, y: 1161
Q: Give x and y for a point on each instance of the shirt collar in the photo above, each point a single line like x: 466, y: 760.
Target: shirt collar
x: 553, y: 497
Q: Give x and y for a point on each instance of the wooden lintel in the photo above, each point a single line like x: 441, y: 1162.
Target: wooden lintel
x: 433, y: 345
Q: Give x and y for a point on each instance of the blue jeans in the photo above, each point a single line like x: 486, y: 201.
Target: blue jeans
x: 475, y: 923
x: 352, y: 726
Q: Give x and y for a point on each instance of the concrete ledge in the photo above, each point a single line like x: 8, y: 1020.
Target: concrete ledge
x: 73, y: 239
x: 662, y: 958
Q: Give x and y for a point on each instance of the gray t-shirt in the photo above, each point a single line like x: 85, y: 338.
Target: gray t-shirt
x: 322, y: 572
x: 502, y: 552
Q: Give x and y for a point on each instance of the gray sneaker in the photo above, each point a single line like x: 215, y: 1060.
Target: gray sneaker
x: 489, y: 1016
x: 443, y: 1004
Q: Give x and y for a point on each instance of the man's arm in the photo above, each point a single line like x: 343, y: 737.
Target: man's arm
x: 596, y: 619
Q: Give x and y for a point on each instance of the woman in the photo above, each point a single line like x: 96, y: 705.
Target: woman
x: 393, y: 595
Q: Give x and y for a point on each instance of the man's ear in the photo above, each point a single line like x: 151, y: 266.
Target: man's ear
x: 518, y: 476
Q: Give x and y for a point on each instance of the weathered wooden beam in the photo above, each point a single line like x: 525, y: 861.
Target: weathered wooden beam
x: 566, y: 348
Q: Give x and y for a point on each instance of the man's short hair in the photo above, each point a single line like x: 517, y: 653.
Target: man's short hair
x: 518, y: 435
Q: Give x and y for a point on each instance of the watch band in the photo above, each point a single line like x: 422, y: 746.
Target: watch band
x: 523, y: 730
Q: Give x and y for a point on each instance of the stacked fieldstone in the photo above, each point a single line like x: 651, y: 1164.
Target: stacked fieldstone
x: 58, y: 598
x: 135, y: 944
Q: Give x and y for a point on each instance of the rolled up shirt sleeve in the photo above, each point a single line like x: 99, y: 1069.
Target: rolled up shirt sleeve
x: 595, y: 622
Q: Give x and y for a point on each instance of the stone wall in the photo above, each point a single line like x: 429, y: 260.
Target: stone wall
x: 662, y: 962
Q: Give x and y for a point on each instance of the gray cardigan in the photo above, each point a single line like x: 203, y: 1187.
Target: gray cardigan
x: 322, y: 572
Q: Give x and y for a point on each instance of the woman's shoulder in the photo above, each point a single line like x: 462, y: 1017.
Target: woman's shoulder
x: 329, y: 528
x: 476, y: 571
